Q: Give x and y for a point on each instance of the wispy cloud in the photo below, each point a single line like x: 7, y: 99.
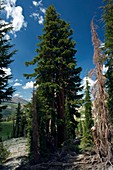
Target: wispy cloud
x: 43, y: 10
x: 16, y: 80
x: 6, y: 37
x: 17, y: 95
x: 34, y: 15
x: 39, y: 12
x: 10, y: 80
x: 41, y: 19
x: 16, y: 14
x: 90, y: 81
x: 37, y: 3
x: 17, y: 84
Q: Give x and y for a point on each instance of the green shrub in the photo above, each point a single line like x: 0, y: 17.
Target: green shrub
x: 6, y: 130
x: 3, y: 153
x: 86, y: 142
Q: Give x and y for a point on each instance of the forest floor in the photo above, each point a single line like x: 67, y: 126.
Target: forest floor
x: 59, y: 161
x: 18, y: 153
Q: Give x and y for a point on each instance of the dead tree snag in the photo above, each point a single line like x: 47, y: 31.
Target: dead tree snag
x: 102, y: 128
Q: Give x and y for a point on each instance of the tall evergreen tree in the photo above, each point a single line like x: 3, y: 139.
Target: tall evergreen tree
x: 18, y: 121
x: 88, y: 122
x: 5, y: 60
x: 108, y: 20
x: 57, y: 75
x: 19, y: 126
x: 23, y: 125
x: 88, y: 108
x: 28, y: 111
x: 35, y: 134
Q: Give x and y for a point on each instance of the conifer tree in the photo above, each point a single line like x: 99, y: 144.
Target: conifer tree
x: 88, y: 108
x: 6, y: 91
x: 35, y: 134
x: 57, y: 75
x: 28, y: 111
x: 88, y: 122
x: 36, y: 124
x: 18, y: 121
x: 23, y: 124
x: 5, y: 60
x: 20, y: 124
x: 108, y: 20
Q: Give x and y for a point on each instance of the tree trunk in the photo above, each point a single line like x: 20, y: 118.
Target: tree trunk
x: 102, y: 129
x: 61, y: 123
x: 61, y: 110
x: 35, y: 153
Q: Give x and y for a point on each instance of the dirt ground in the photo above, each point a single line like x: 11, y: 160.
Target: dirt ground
x: 65, y: 161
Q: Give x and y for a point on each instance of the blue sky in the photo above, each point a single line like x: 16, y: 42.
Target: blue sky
x: 27, y: 18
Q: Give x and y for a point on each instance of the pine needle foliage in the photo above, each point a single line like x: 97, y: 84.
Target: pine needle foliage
x: 20, y: 124
x: 108, y: 23
x: 5, y: 60
x: 57, y: 77
x: 6, y: 91
x: 88, y: 108
x: 87, y: 138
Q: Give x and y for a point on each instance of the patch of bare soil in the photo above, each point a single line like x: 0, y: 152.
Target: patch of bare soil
x: 71, y: 161
x: 17, y: 159
x: 18, y: 153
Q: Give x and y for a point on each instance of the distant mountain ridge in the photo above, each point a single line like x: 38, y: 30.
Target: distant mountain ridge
x: 19, y: 100
x: 12, y: 106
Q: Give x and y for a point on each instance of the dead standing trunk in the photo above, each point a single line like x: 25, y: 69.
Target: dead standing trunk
x: 102, y: 133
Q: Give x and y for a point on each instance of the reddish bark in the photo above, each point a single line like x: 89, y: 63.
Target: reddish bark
x: 102, y: 133
x: 35, y: 153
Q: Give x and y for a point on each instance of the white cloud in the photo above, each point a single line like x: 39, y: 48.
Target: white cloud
x: 5, y: 25
x: 7, y: 71
x: 104, y: 69
x: 17, y: 95
x: 15, y: 12
x: 37, y: 3
x: 39, y: 13
x: 34, y: 15
x: 41, y: 19
x: 18, y: 18
x: 11, y: 81
x: 43, y: 10
x: 90, y: 81
x: 16, y: 80
x: 17, y: 84
x: 28, y: 85
x: 38, y: 17
x: 6, y: 37
x: 102, y: 45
